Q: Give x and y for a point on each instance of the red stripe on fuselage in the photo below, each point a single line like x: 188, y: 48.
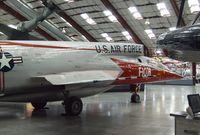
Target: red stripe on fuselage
x: 41, y: 46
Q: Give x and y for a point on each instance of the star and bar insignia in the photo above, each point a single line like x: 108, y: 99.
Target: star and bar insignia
x: 7, y: 61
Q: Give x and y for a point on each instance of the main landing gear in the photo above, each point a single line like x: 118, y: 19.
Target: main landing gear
x: 73, y: 106
x: 135, y: 98
x: 39, y: 105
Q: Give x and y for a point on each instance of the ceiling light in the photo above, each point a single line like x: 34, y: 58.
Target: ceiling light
x: 110, y: 16
x: 152, y: 36
x: 163, y: 10
x: 127, y: 35
x: 150, y: 33
x: 194, y: 9
x: 84, y: 16
x: 69, y: 1
x: 104, y: 35
x: 164, y: 13
x: 161, y: 6
x: 194, y: 6
x: 147, y: 22
x: 12, y: 26
x: 132, y: 9
x: 193, y: 2
x: 107, y: 12
x: 135, y: 13
x: 90, y: 21
x: 172, y: 28
x: 63, y: 30
x: 108, y: 38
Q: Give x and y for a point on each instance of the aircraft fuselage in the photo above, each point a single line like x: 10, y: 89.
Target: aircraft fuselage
x: 182, y: 44
x: 24, y: 63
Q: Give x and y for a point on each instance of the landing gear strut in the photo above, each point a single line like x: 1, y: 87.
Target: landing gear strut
x: 39, y: 105
x: 135, y: 98
x: 73, y: 106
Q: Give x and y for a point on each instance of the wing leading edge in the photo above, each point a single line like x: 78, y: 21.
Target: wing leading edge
x: 78, y: 77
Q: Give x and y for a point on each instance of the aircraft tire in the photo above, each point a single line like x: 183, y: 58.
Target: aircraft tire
x: 39, y: 105
x: 135, y: 98
x: 73, y: 106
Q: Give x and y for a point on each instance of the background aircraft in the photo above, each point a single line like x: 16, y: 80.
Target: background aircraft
x: 182, y: 43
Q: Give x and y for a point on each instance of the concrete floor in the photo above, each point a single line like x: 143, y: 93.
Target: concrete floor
x: 105, y: 114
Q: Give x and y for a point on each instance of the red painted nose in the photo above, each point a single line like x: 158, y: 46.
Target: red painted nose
x: 171, y: 75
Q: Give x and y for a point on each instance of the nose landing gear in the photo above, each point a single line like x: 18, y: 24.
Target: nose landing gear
x: 135, y: 98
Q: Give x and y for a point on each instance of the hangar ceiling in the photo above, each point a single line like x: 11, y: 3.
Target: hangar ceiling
x: 138, y: 21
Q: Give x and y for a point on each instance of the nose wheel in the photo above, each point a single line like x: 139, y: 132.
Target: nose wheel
x: 135, y: 98
x: 73, y: 106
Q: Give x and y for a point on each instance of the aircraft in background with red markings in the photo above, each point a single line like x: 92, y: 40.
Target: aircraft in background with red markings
x: 43, y: 71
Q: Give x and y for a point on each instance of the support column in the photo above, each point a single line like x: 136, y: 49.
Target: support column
x: 146, y: 51
x: 194, y: 73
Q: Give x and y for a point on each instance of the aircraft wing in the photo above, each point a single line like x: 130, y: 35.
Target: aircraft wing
x: 78, y: 77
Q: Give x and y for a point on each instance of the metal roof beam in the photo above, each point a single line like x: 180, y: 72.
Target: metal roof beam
x: 77, y: 26
x: 11, y: 11
x: 121, y: 20
x: 177, y: 11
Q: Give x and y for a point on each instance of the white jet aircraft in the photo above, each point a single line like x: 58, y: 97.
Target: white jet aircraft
x: 43, y: 71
